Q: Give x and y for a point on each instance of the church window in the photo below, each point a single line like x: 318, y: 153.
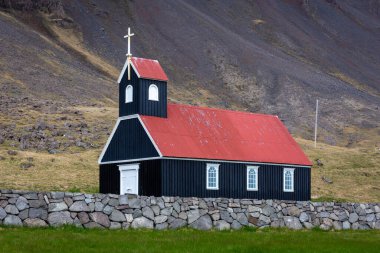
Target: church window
x: 129, y: 94
x: 153, y: 92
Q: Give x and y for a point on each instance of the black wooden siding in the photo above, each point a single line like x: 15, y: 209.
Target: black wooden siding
x: 153, y: 108
x: 129, y: 108
x: 129, y: 142
x: 149, y: 178
x: 109, y: 178
x: 141, y: 104
x: 187, y: 178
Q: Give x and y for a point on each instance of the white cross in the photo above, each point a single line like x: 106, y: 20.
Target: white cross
x: 129, y: 55
x: 129, y: 35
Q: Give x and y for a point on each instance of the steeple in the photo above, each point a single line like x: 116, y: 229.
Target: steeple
x: 143, y: 90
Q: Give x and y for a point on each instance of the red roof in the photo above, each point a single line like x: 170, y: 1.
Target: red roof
x: 149, y: 69
x: 216, y: 134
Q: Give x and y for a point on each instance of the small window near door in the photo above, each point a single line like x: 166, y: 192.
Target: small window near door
x: 153, y: 92
x: 288, y: 179
x: 129, y: 94
x: 252, y: 178
x: 212, y: 175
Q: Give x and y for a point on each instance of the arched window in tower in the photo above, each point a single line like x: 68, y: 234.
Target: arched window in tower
x: 153, y: 92
x: 129, y: 94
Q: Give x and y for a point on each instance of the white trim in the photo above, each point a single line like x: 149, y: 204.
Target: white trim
x: 153, y: 96
x: 207, y: 160
x: 209, y: 166
x: 126, y: 167
x: 255, y: 168
x: 125, y: 67
x: 112, y: 134
x: 133, y: 160
x: 291, y: 170
x: 150, y: 136
x: 134, y: 68
x: 108, y: 141
x: 133, y: 116
x: 127, y: 98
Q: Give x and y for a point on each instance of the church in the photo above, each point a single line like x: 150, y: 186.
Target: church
x: 162, y: 149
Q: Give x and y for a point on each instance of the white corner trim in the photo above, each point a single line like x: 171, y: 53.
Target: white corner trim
x: 291, y: 170
x: 122, y: 71
x: 125, y: 67
x: 256, y: 169
x: 150, y: 137
x: 112, y: 134
x: 216, y: 166
x: 109, y: 141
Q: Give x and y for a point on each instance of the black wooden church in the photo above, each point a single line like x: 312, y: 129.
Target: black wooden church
x: 162, y: 149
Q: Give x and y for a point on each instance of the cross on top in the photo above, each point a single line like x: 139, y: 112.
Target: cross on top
x: 129, y: 55
x: 129, y: 35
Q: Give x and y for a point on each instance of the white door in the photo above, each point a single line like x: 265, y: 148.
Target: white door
x: 129, y: 179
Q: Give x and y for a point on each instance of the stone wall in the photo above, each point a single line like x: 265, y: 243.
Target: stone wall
x: 18, y: 208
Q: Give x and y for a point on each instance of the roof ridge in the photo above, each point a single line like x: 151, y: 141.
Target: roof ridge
x: 141, y: 58
x: 221, y: 109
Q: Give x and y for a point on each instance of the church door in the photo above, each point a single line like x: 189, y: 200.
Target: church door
x: 129, y: 179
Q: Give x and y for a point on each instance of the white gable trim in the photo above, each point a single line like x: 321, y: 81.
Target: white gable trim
x: 112, y: 134
x: 125, y: 69
x: 108, y: 141
x: 150, y: 137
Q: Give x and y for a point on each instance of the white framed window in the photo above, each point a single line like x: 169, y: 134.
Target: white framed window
x: 153, y: 92
x: 129, y: 94
x: 288, y: 179
x: 252, y: 178
x: 212, y: 176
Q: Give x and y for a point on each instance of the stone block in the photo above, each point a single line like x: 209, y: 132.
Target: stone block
x: 35, y: 223
x: 56, y: 207
x: 60, y: 218
x: 292, y: 222
x: 222, y: 225
x: 12, y: 220
x: 11, y: 209
x: 79, y: 206
x: 100, y: 218
x: 40, y: 213
x: 142, y: 222
x: 118, y: 216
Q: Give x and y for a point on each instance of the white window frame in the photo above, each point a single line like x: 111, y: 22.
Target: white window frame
x: 127, y: 98
x: 152, y: 95
x: 291, y: 170
x: 209, y: 166
x: 256, y: 169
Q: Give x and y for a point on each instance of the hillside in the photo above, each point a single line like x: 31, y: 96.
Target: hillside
x: 60, y: 61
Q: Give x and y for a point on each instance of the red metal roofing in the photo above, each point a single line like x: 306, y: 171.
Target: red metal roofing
x: 216, y: 134
x: 149, y: 69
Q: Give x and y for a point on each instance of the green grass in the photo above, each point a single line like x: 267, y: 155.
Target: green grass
x: 69, y: 239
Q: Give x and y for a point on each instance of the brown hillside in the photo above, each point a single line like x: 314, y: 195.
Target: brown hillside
x: 271, y: 56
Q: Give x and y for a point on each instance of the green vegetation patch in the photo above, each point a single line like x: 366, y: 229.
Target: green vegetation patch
x: 69, y: 239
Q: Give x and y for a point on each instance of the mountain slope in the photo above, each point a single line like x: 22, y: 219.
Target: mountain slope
x: 273, y: 57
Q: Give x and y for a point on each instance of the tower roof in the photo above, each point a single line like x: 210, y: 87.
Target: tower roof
x: 145, y: 68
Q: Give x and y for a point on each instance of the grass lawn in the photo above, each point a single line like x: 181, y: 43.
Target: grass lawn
x: 69, y: 239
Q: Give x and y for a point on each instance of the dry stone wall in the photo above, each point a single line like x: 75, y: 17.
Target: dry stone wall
x: 20, y: 208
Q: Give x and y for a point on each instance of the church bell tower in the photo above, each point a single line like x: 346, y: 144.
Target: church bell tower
x: 142, y: 86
